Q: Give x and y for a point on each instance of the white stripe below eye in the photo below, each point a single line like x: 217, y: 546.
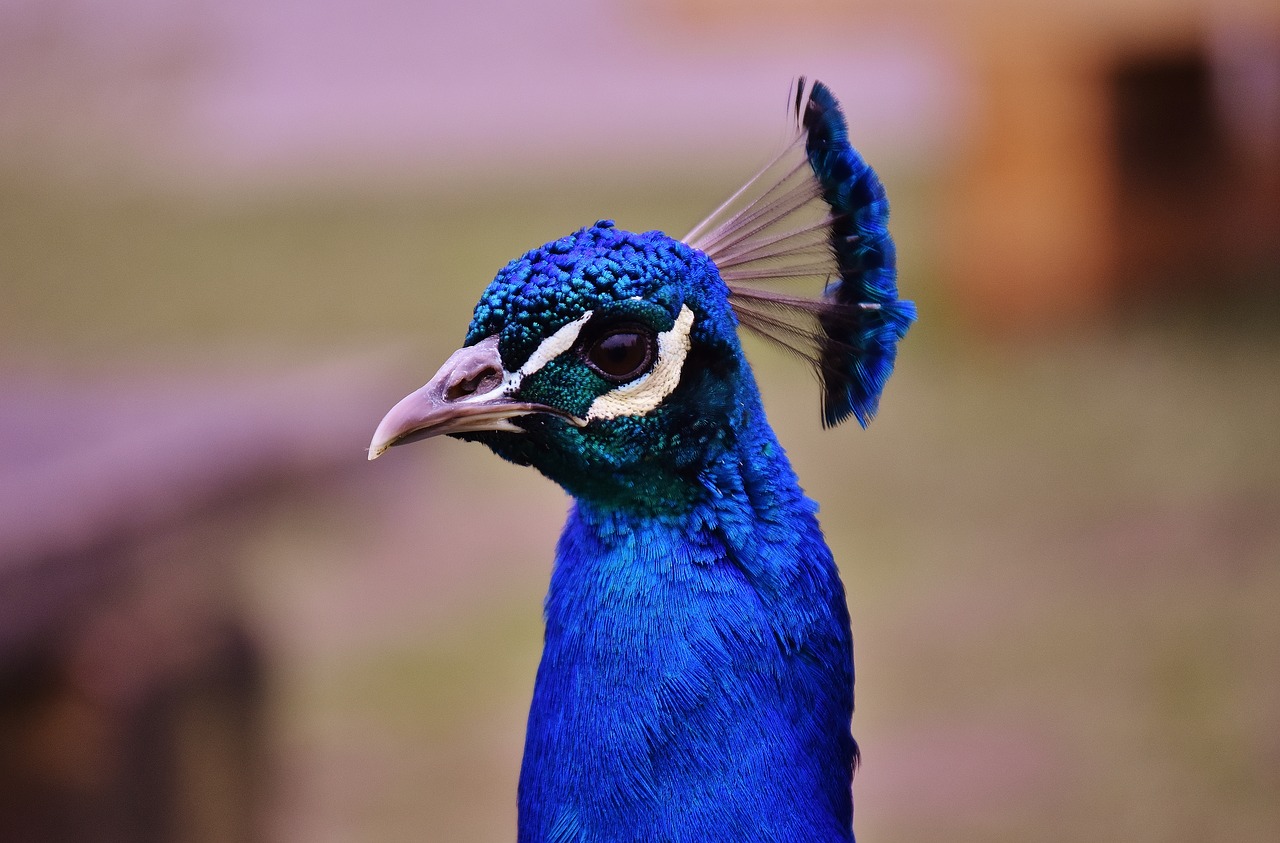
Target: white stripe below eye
x: 647, y: 392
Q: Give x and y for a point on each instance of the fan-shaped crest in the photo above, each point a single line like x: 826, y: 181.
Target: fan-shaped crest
x: 817, y: 211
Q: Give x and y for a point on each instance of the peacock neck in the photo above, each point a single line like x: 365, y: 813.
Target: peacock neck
x: 697, y: 676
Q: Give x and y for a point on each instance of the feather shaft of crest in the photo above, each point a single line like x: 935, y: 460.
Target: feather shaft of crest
x: 731, y: 255
x: 692, y: 237
x: 778, y: 325
x: 798, y: 271
x: 782, y: 301
x: 791, y: 337
x: 765, y: 218
x: 779, y: 334
x: 823, y: 217
x: 780, y: 258
x: 765, y: 206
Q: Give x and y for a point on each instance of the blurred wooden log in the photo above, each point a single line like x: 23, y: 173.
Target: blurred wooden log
x: 131, y: 684
x: 1119, y: 156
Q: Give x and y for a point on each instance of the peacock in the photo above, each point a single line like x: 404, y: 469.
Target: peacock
x: 696, y: 681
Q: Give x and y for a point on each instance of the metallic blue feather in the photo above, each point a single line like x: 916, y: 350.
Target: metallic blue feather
x: 696, y: 681
x: 823, y: 217
x: 858, y: 358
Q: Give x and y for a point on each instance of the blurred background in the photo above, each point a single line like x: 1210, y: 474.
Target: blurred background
x: 233, y: 233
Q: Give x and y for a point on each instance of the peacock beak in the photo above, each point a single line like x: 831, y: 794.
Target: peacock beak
x: 470, y: 393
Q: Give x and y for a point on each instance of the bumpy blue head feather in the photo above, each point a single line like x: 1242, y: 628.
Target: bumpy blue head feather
x: 545, y: 288
x: 650, y: 460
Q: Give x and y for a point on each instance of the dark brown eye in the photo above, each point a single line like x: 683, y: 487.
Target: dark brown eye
x: 623, y: 353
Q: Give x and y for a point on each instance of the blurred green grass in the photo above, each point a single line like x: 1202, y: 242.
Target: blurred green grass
x: 87, y: 269
x: 1062, y: 555
x: 119, y: 269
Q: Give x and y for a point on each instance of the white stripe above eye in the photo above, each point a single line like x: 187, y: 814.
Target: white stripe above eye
x: 548, y: 350
x: 647, y: 392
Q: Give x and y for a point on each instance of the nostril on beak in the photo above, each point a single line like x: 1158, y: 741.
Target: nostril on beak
x: 472, y: 370
x: 465, y: 383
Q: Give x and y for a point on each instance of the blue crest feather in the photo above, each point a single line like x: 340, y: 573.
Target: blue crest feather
x: 827, y: 220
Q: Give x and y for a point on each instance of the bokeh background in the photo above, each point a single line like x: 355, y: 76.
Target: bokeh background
x: 233, y: 233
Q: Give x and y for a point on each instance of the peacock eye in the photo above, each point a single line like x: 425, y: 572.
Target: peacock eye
x: 622, y: 353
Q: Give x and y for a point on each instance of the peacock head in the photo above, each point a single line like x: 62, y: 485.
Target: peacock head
x: 606, y: 359
x: 610, y: 360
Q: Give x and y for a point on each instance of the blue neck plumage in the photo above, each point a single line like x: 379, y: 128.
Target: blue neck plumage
x: 697, y: 676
